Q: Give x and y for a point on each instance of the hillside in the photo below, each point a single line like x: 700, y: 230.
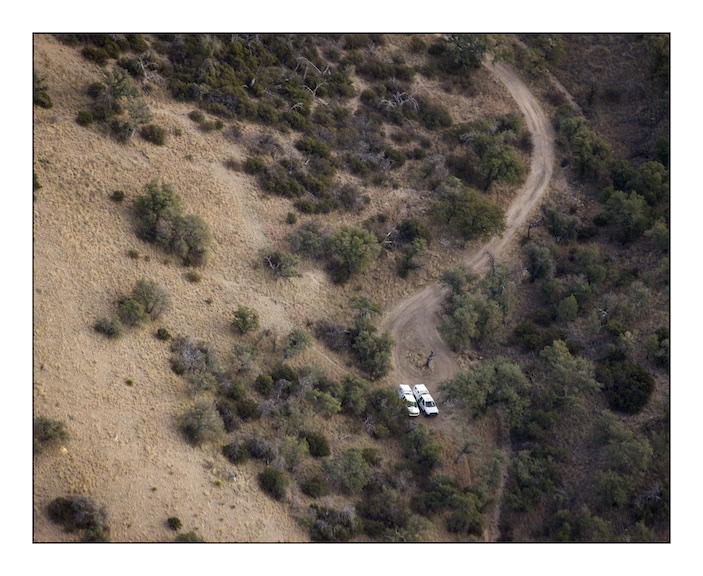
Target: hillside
x: 384, y: 135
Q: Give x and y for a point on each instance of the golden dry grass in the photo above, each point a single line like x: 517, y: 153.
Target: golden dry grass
x: 125, y: 450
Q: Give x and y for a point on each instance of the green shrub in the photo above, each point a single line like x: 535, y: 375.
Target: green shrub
x: 191, y: 240
x: 349, y: 470
x: 235, y: 452
x: 627, y: 386
x: 372, y: 351
x: 260, y: 449
x: 110, y: 327
x: 298, y: 341
x: 77, y: 513
x: 307, y: 241
x: 193, y: 276
x: 48, y: 432
x: 131, y: 312
x: 254, y: 165
x: 201, y: 424
x: 331, y: 525
x: 248, y: 409
x: 174, y: 523
x: 245, y: 320
x: 159, y: 206
x: 41, y: 92
x: 154, y: 300
x: 323, y: 403
x: 315, y: 487
x: 197, y: 116
x: 273, y: 482
x: 318, y: 444
x: 264, y: 384
x: 189, y: 537
x: 154, y: 134
x: 280, y: 263
x: 84, y: 118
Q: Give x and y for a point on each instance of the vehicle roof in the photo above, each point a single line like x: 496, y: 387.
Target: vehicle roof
x: 404, y: 387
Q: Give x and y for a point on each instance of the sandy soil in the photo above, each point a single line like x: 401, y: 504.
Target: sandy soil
x: 125, y: 451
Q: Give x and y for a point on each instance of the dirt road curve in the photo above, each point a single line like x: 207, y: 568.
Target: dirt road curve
x: 413, y: 321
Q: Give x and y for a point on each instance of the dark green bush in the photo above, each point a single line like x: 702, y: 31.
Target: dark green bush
x: 191, y: 239
x: 330, y: 525
x: 84, y: 118
x: 48, y: 432
x: 260, y: 449
x: 248, y: 409
x: 264, y: 384
x: 77, y: 513
x: 245, y: 320
x: 189, y: 537
x: 201, y: 424
x: 254, y: 165
x: 318, y: 444
x: 280, y: 263
x: 235, y: 452
x: 627, y: 386
x: 197, y: 116
x: 174, y: 523
x: 154, y: 134
x: 315, y: 487
x: 97, y: 55
x: 41, y: 92
x: 154, y: 300
x: 163, y: 334
x: 273, y: 482
x: 131, y: 312
x: 110, y: 327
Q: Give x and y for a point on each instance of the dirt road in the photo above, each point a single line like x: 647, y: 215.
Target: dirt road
x: 413, y: 321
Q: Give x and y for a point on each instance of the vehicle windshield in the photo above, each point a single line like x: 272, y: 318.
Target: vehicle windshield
x: 429, y: 404
x: 411, y: 403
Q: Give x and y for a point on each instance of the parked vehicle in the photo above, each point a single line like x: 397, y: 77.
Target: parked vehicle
x: 405, y: 394
x: 424, y: 399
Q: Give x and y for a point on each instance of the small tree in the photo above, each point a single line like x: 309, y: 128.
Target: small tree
x: 245, y: 320
x: 191, y: 240
x: 41, y: 92
x: 282, y: 264
x: 355, y: 248
x: 48, y: 432
x: 350, y: 471
x: 567, y: 377
x: 131, y: 312
x: 298, y: 341
x: 154, y: 299
x: 201, y: 423
x: 274, y: 482
x: 158, y: 206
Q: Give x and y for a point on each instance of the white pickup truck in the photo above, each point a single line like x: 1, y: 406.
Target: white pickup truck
x: 406, y: 396
x: 425, y: 402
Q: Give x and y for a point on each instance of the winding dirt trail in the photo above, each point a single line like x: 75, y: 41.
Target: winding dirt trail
x: 413, y: 321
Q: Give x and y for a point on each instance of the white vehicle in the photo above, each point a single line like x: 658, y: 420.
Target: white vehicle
x: 425, y: 402
x: 406, y: 396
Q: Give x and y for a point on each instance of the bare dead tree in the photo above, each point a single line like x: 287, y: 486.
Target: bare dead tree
x: 426, y: 365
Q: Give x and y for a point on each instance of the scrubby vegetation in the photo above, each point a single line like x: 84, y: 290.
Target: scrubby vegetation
x: 160, y: 220
x: 48, y: 433
x: 565, y: 345
x: 80, y: 514
x: 147, y: 301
